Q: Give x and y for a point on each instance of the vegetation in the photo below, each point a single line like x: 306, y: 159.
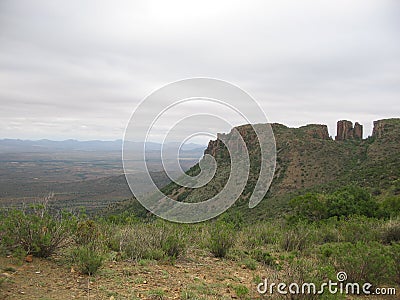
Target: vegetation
x: 319, y: 231
x: 320, y: 218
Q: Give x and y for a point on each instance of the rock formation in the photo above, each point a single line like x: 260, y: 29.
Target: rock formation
x: 317, y: 131
x: 346, y: 131
x: 385, y: 127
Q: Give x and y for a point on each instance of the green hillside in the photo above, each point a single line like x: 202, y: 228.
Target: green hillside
x: 308, y: 160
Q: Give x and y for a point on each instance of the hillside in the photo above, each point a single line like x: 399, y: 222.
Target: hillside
x: 308, y: 159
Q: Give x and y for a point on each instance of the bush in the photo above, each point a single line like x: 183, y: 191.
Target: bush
x: 362, y: 262
x: 347, y: 201
x: 359, y: 228
x: 351, y: 200
x: 396, y: 257
x: 222, y: 238
x: 88, y: 259
x: 391, y: 232
x: 241, y: 290
x: 173, y: 246
x: 37, y: 231
x: 250, y: 263
x: 296, y: 238
x: 87, y: 232
x: 260, y: 235
x: 151, y: 241
x: 263, y: 257
x: 390, y: 207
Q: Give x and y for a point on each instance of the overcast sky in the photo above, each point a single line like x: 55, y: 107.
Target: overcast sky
x: 77, y: 69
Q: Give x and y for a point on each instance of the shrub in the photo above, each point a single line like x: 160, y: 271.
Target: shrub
x: 311, y: 207
x: 250, y: 263
x: 395, y: 249
x: 173, y: 246
x: 263, y: 257
x: 351, y: 200
x: 362, y: 262
x: 359, y: 228
x: 88, y: 259
x: 259, y: 235
x: 221, y: 239
x: 151, y: 241
x: 296, y: 238
x: 37, y: 231
x: 87, y: 232
x: 241, y: 290
x: 390, y: 207
x: 347, y: 201
x: 391, y: 232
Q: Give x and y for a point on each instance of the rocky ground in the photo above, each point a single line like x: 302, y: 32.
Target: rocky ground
x: 200, y: 277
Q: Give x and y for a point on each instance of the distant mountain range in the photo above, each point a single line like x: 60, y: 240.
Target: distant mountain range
x: 44, y: 145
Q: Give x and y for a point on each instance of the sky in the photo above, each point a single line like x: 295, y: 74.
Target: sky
x: 78, y: 69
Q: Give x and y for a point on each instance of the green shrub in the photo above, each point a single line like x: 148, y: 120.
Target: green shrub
x: 87, y: 232
x: 347, y: 201
x: 173, y: 245
x: 36, y: 230
x: 296, y: 238
x: 156, y: 240
x: 391, y: 232
x: 363, y: 262
x: 359, y: 228
x: 263, y: 257
x: 250, y: 263
x: 390, y: 207
x: 222, y: 238
x: 241, y: 290
x: 260, y: 235
x: 88, y: 259
x: 395, y: 249
x: 351, y: 200
x: 311, y: 207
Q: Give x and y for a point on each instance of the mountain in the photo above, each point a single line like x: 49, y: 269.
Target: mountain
x: 308, y: 159
x: 44, y: 145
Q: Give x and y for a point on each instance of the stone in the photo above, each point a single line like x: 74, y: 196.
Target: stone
x: 29, y: 258
x: 346, y: 131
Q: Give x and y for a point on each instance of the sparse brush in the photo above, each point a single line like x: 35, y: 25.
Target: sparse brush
x: 36, y: 230
x: 88, y: 259
x: 222, y: 238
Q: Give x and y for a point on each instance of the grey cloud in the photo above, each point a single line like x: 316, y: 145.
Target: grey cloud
x: 77, y: 69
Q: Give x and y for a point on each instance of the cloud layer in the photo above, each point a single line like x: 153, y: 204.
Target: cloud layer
x: 77, y: 69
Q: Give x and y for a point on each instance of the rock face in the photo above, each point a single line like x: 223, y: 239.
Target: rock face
x: 346, y: 131
x: 317, y: 131
x: 234, y: 144
x: 385, y: 127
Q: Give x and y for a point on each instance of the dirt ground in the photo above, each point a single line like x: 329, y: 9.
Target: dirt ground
x: 193, y: 278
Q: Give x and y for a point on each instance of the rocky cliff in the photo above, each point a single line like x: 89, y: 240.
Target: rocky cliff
x: 308, y: 159
x: 384, y: 127
x: 346, y: 131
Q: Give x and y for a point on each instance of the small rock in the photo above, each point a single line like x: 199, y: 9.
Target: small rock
x: 29, y: 258
x: 72, y: 270
x: 112, y: 298
x: 5, y: 275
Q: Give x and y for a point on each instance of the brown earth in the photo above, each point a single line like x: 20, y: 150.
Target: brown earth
x: 194, y: 277
x: 198, y: 276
